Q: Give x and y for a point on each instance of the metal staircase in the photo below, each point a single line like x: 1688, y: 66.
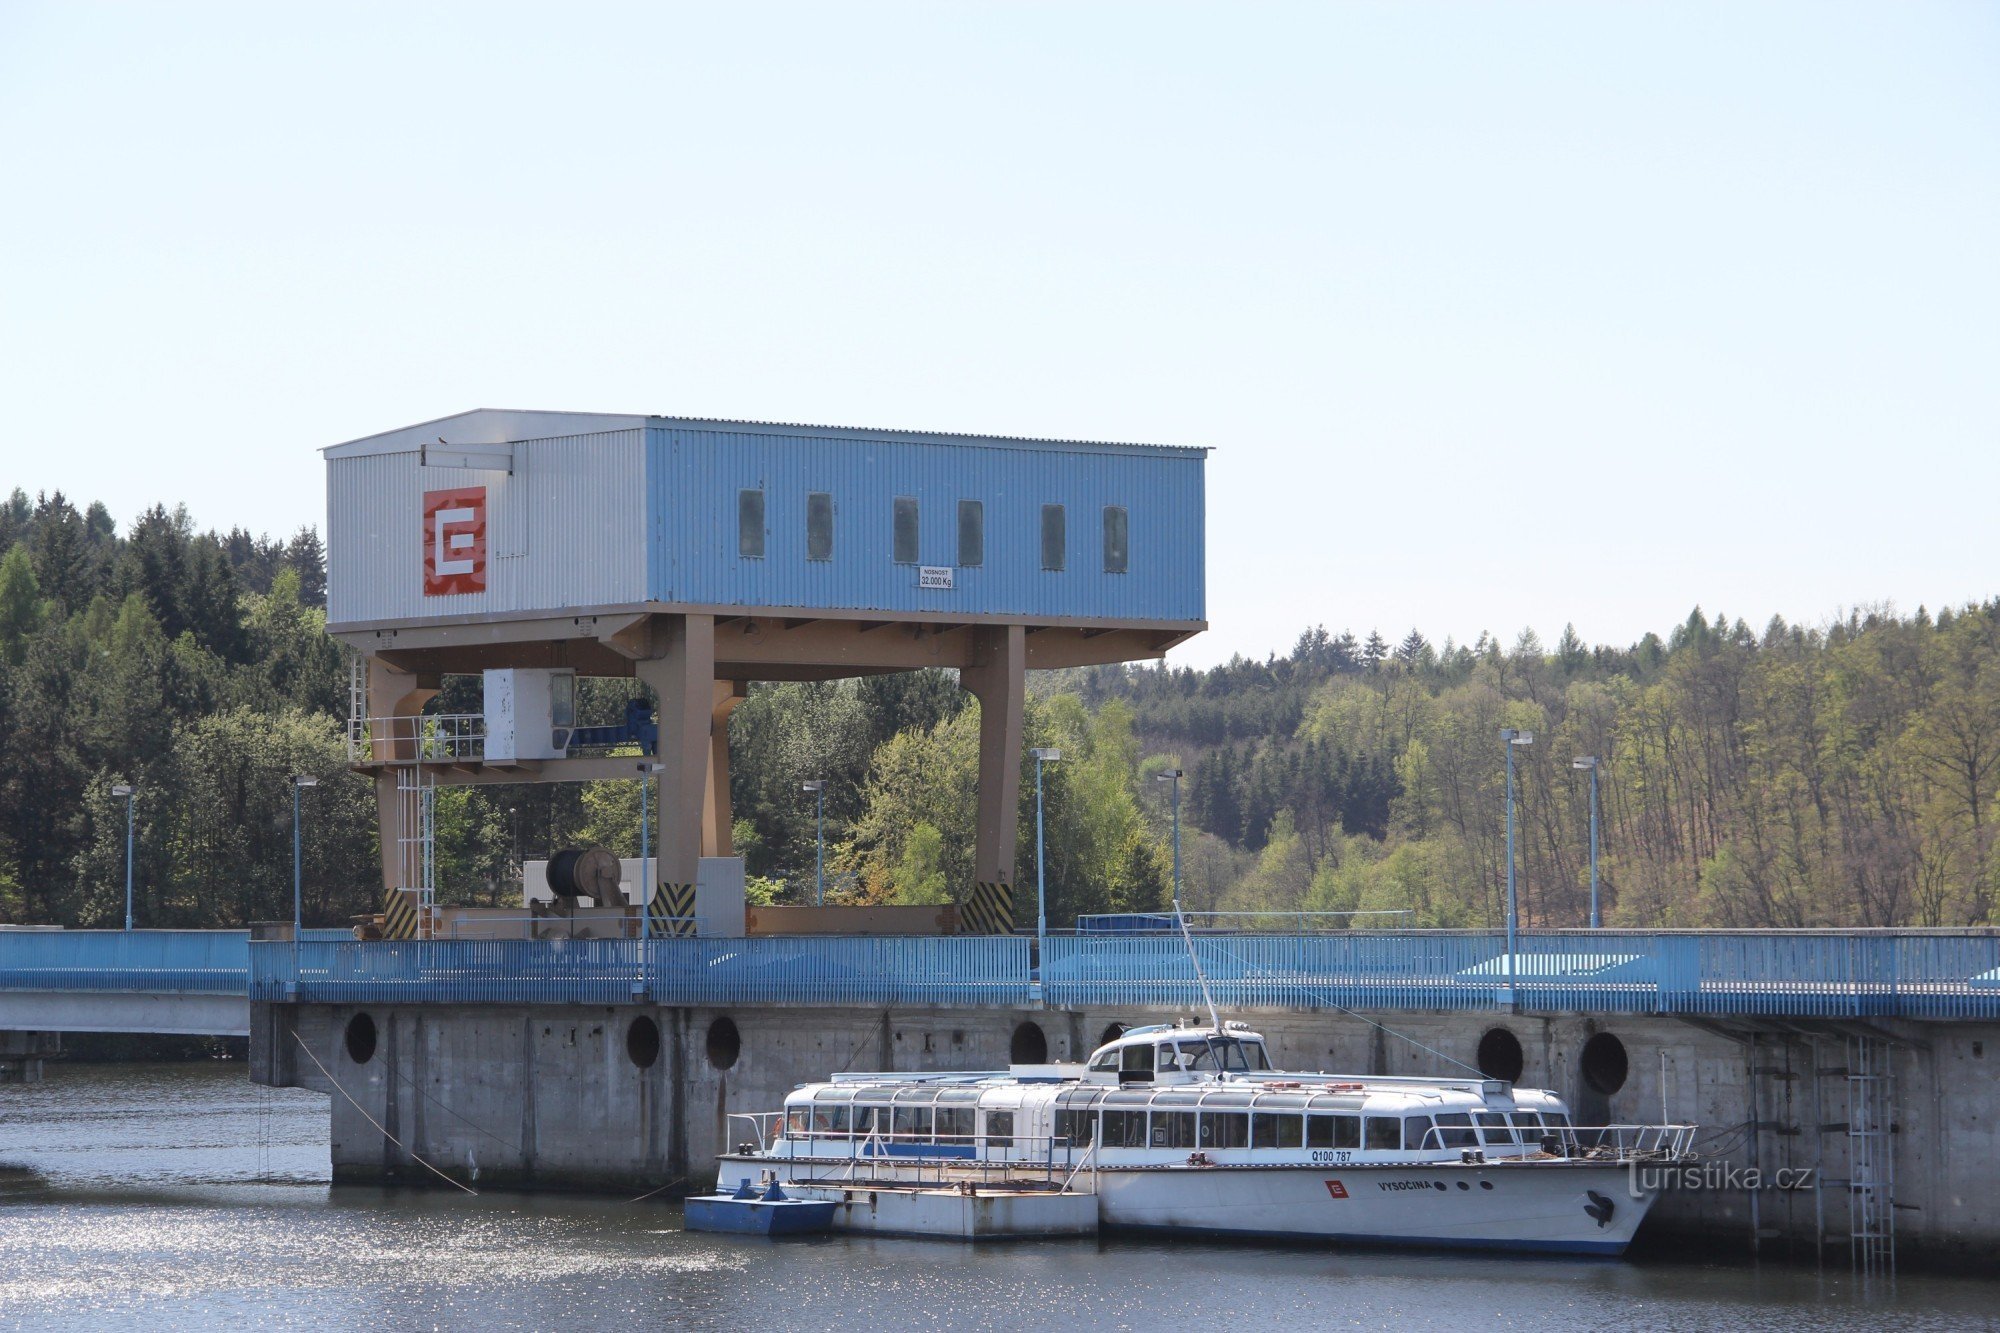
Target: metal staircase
x: 416, y: 842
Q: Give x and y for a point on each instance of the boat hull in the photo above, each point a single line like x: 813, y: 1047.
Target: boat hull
x: 757, y: 1217
x: 1543, y: 1207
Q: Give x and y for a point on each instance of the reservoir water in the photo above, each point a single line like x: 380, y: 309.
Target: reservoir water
x: 162, y: 1196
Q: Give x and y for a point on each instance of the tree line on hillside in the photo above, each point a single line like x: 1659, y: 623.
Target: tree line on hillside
x: 1837, y: 775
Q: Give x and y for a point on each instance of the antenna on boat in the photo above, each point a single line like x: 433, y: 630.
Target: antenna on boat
x: 1206, y: 998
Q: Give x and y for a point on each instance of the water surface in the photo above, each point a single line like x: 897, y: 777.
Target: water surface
x: 181, y: 1195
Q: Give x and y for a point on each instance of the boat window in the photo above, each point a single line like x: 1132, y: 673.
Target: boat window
x: 1494, y: 1127
x: 912, y: 1123
x: 1383, y: 1132
x: 1528, y: 1125
x: 1455, y: 1129
x: 864, y: 1120
x: 1075, y: 1129
x: 954, y: 1124
x: 1253, y: 1051
x: 1106, y: 1062
x: 1333, y: 1131
x: 1417, y: 1133
x: 1197, y: 1055
x: 1224, y: 1129
x: 1173, y: 1129
x: 1000, y: 1127
x: 1285, y: 1129
x: 1124, y: 1129
x: 798, y: 1120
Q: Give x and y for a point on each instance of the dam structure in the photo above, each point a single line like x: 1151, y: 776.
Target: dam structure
x: 1843, y: 1080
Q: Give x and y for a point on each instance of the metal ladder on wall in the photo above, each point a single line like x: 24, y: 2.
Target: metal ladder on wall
x: 357, y: 707
x: 416, y: 842
x: 1863, y: 1090
x: 1871, y: 1086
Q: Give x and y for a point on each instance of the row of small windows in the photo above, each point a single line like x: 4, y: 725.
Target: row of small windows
x: 1189, y: 1129
x: 906, y: 525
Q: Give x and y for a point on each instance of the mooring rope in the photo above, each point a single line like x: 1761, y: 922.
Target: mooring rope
x: 377, y: 1123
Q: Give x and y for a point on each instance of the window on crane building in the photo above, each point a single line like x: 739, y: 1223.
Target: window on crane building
x: 971, y: 533
x: 1114, y: 539
x: 750, y: 524
x: 1055, y: 537
x: 819, y: 526
x: 906, y: 530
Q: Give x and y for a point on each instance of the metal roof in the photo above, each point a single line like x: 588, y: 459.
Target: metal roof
x: 489, y: 425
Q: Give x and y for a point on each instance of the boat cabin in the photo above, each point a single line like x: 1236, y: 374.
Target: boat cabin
x: 1169, y: 1053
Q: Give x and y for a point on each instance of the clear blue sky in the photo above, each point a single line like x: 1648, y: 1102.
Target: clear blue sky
x: 1494, y: 315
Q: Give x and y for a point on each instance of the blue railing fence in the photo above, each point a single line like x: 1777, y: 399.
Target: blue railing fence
x: 193, y: 961
x: 973, y: 970
x: 1831, y: 974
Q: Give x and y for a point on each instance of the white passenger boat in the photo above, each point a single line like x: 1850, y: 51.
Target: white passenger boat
x: 1188, y: 1129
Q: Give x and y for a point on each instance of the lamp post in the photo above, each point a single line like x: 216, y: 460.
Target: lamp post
x: 1589, y: 761
x: 1512, y: 738
x: 818, y: 788
x: 129, y: 792
x: 1042, y: 756
x: 646, y: 773
x: 1173, y: 775
x: 299, y: 783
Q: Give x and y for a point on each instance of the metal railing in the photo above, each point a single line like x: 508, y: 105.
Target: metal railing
x: 424, y: 737
x: 1798, y: 974
x: 968, y: 970
x: 1831, y: 974
x: 211, y: 962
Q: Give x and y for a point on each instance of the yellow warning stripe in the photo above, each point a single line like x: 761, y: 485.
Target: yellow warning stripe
x: 399, y: 915
x: 672, y: 909
x: 988, y: 909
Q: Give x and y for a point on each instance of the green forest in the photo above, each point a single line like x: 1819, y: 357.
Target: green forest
x: 1830, y: 775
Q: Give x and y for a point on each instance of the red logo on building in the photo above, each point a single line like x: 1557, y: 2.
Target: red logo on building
x: 455, y: 541
x: 1336, y: 1189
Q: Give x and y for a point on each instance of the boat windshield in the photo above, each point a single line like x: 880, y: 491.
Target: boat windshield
x: 1225, y: 1053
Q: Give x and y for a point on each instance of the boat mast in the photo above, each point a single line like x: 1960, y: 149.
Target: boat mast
x: 1207, y: 999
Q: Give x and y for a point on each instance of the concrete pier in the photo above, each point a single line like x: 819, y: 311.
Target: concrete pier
x: 635, y: 1098
x: 22, y: 1054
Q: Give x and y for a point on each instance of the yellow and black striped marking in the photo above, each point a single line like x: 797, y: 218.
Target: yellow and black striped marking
x: 673, y: 909
x: 988, y: 909
x: 399, y: 915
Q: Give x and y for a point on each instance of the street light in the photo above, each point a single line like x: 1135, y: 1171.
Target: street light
x: 646, y: 774
x: 1173, y: 775
x: 129, y: 792
x: 299, y: 783
x: 1042, y: 756
x: 1589, y: 761
x: 818, y: 788
x: 1513, y: 738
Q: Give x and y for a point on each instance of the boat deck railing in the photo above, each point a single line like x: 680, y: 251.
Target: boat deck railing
x: 902, y: 1158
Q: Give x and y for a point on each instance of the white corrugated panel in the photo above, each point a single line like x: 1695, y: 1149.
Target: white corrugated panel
x: 566, y: 531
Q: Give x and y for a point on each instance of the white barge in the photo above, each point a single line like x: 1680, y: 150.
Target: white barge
x: 1188, y: 1129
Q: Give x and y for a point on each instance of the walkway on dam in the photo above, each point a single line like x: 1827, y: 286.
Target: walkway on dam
x: 191, y: 981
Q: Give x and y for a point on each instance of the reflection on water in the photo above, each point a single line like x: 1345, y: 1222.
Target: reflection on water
x: 177, y: 1195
